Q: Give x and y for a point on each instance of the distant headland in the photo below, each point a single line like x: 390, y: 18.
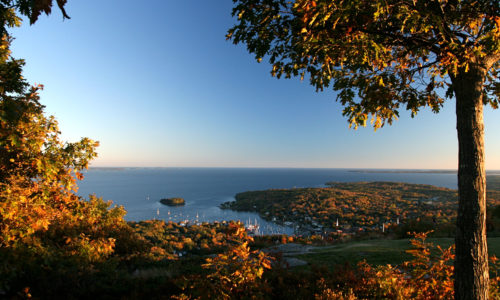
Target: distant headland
x: 404, y: 171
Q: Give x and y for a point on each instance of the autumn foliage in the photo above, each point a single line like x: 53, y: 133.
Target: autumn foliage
x: 244, y: 274
x: 234, y: 274
x: 55, y: 244
x: 43, y: 223
x: 363, y: 205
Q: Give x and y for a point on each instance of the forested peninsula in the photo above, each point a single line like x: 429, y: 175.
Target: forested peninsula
x: 360, y: 206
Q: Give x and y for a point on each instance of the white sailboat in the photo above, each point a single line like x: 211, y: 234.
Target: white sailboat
x: 252, y: 228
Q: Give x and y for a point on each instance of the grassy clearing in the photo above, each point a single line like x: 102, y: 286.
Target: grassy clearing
x: 376, y: 252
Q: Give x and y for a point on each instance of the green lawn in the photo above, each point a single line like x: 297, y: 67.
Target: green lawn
x: 377, y: 252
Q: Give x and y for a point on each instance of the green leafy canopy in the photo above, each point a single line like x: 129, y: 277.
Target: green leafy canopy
x: 380, y: 55
x: 31, y: 8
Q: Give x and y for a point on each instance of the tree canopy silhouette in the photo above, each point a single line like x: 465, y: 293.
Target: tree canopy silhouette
x: 384, y: 56
x: 42, y: 220
x: 29, y: 8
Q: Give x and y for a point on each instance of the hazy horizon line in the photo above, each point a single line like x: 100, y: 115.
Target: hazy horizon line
x: 260, y: 167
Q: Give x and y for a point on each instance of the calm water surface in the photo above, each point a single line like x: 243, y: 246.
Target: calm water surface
x: 204, y: 189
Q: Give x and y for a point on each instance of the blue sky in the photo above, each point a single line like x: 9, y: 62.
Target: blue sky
x: 158, y: 85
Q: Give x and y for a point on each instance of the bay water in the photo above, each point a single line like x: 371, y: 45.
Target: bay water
x: 139, y: 190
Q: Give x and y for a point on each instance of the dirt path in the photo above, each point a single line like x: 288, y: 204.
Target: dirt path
x: 292, y: 249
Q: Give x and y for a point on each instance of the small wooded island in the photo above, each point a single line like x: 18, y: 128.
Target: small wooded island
x: 173, y: 201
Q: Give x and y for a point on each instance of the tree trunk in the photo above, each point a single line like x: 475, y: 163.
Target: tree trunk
x: 471, y: 262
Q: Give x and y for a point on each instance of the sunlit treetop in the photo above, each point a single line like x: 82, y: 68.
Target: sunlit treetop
x: 38, y: 171
x: 11, y: 12
x: 30, y: 144
x: 379, y: 55
x: 29, y: 8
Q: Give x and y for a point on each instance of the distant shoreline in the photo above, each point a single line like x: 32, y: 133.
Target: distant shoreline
x: 405, y: 171
x: 490, y: 172
x: 352, y: 170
